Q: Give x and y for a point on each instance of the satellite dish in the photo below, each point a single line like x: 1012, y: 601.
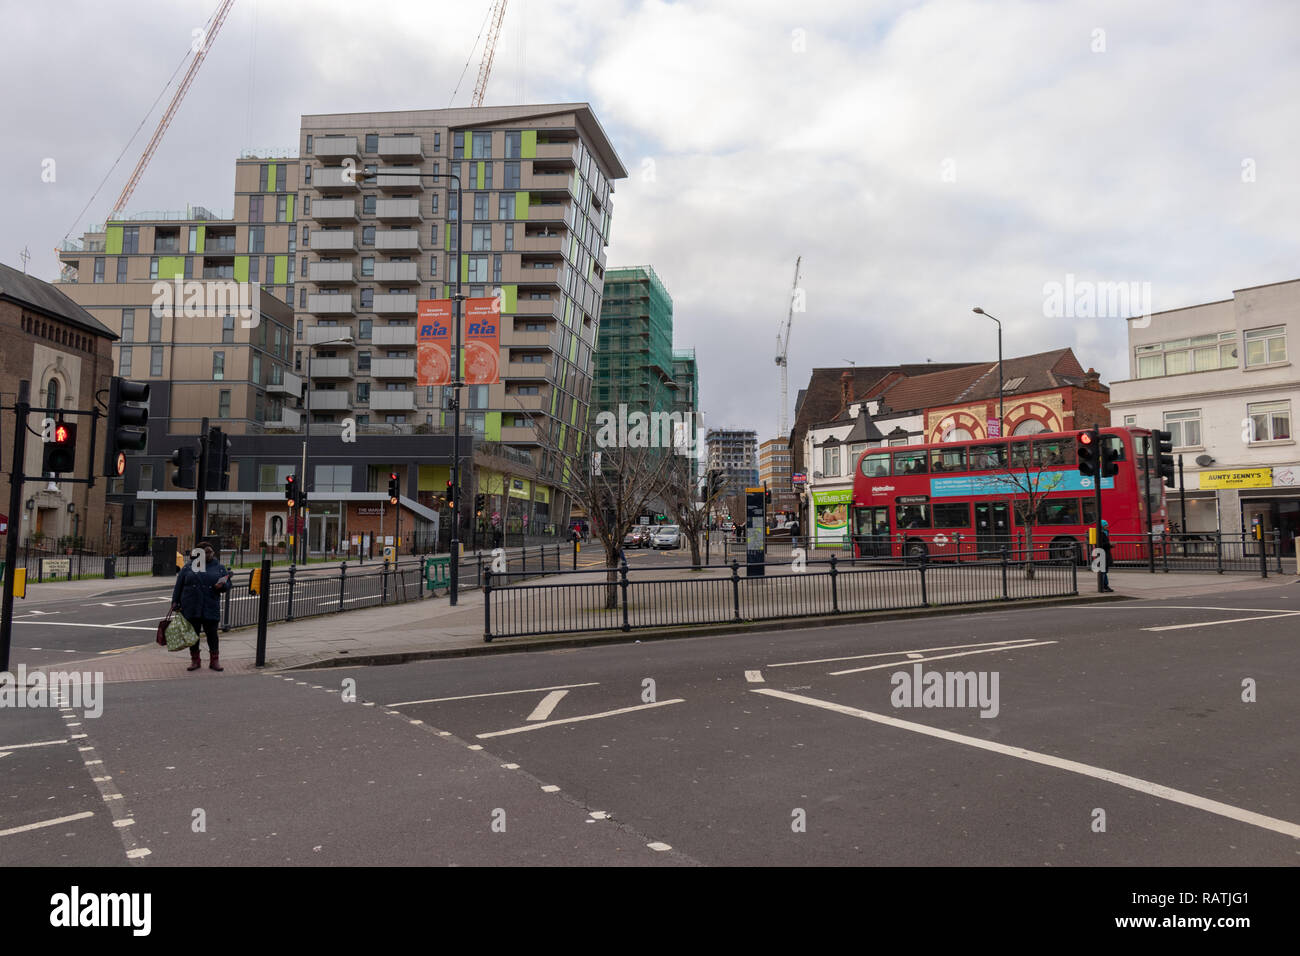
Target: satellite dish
x: 1204, y: 460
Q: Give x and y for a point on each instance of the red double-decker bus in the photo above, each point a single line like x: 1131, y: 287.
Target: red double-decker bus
x: 957, y: 499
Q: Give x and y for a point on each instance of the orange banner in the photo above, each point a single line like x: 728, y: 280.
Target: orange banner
x: 433, y: 366
x: 482, y: 342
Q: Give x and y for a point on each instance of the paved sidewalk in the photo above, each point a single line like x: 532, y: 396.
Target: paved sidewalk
x: 432, y: 628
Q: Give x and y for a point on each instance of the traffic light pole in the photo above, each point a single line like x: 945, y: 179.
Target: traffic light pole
x: 16, y: 479
x: 1146, y: 503
x: 1096, y: 490
x: 201, y: 486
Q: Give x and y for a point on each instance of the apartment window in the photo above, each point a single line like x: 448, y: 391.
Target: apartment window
x: 305, y: 236
x: 1265, y: 346
x: 306, y: 173
x: 478, y: 396
x: 1185, y: 426
x: 368, y: 204
x: 496, y: 268
x: 256, y: 238
x: 121, y: 268
x: 128, y: 325
x: 512, y: 176
x: 510, y: 236
x: 367, y: 298
x: 364, y: 328
x: 457, y: 145
x: 437, y: 142
x: 453, y: 211
x: 124, y: 361
x: 270, y: 271
x: 487, y: 176
x: 505, y: 205
x: 482, y: 144
x: 228, y: 328
x: 302, y: 267
x: 481, y: 207
x: 282, y: 209
x: 528, y: 390
x: 166, y: 240
x: 1269, y: 421
x: 433, y: 201
x: 302, y: 300
x: 263, y: 178
x: 363, y: 391
x: 433, y: 268
x: 131, y: 239
x: 297, y: 361
x: 532, y: 357
x: 307, y: 150
x: 189, y: 267
x: 480, y: 238
x: 513, y: 144
x: 478, y: 269
x: 256, y: 372
x: 218, y: 366
x: 363, y: 361
x: 223, y: 404
x: 255, y: 209
x: 372, y: 142
x: 255, y: 269
x: 153, y: 268
x: 99, y: 268
x: 1201, y: 353
x: 155, y: 360
x: 367, y: 235
x: 155, y: 327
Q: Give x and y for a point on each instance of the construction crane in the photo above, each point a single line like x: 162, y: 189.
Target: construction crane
x: 783, y: 350
x: 203, y: 43
x: 489, y: 51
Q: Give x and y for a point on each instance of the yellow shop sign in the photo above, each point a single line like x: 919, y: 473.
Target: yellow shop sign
x: 1238, y: 478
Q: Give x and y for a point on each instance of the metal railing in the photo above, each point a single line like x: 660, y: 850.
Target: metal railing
x: 295, y: 593
x: 626, y: 600
x: 1207, y: 551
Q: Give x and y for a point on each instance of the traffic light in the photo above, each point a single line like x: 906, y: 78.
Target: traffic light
x: 767, y: 497
x: 217, y: 466
x: 393, y: 491
x: 185, y: 475
x: 60, y: 453
x: 1086, y: 449
x: 449, y: 493
x: 480, y: 503
x: 1164, y: 455
x: 128, y: 420
x: 1110, y: 456
x: 291, y: 492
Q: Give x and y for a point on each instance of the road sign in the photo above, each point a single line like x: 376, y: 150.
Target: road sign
x: 941, y: 539
x: 995, y: 427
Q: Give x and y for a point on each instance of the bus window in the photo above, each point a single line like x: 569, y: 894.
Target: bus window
x: 876, y: 465
x: 1053, y: 452
x: 1116, y: 444
x: 909, y: 463
x: 947, y: 459
x: 912, y: 516
x: 988, y: 457
x: 1058, y: 511
x: 952, y: 516
x: 1020, y: 454
x: 1089, y: 509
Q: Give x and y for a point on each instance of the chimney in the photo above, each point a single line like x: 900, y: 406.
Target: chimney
x: 846, y: 389
x: 1092, y: 380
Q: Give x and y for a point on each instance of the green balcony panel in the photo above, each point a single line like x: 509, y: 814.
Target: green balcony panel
x: 241, y: 268
x: 113, y: 240
x: 171, y: 267
x: 528, y: 144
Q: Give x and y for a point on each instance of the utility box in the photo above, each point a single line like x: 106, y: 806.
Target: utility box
x: 164, y: 557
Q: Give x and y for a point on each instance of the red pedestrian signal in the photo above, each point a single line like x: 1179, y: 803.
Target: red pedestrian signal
x: 60, y: 454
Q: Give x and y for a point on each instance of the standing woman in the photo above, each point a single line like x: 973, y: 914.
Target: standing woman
x: 197, y: 596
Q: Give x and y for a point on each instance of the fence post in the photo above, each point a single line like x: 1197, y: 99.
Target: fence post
x: 735, y: 586
x: 1218, y: 548
x: 1006, y: 595
x: 1164, y: 552
x: 226, y: 615
x: 1263, y: 556
x: 478, y: 575
x: 487, y: 608
x: 343, y: 582
x: 1151, y: 552
x: 622, y: 573
x: 383, y: 598
x: 925, y: 594
x: 263, y: 611
x: 1277, y: 548
x: 1074, y: 577
x: 523, y: 558
x: 835, y: 592
x: 288, y: 615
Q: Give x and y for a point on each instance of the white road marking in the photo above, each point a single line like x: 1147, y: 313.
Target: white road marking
x: 46, y: 823
x: 916, y: 657
x: 4, y: 753
x: 914, y: 650
x: 659, y: 847
x: 510, y: 766
x: 126, y: 822
x: 547, y: 704
x: 500, y: 693
x: 1284, y: 827
x: 550, y: 788
x: 42, y: 743
x: 71, y: 624
x: 91, y: 762
x: 754, y: 677
x: 599, y: 815
x: 576, y: 720
x: 1181, y: 607
x: 475, y: 746
x: 139, y: 620
x: 112, y: 796
x: 137, y: 854
x: 942, y: 657
x: 1231, y: 620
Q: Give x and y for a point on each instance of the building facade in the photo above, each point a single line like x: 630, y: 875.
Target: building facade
x: 1220, y: 378
x: 734, y: 453
x: 774, y: 474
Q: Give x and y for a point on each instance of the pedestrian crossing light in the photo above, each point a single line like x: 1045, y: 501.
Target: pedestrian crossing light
x: 450, y: 495
x: 392, y: 488
x: 61, y: 450
x: 1164, y: 455
x: 1110, y: 456
x: 185, y: 475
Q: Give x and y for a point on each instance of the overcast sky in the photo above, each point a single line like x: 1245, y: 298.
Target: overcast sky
x: 923, y: 157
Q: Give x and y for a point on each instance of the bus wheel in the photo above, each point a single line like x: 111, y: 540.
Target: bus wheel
x: 916, y: 549
x: 1065, y: 550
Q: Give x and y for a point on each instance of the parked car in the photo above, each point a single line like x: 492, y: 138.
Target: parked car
x: 667, y: 537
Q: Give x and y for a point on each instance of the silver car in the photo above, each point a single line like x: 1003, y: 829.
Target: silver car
x: 667, y: 537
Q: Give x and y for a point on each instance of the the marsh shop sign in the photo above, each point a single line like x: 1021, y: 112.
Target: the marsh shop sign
x: 481, y: 327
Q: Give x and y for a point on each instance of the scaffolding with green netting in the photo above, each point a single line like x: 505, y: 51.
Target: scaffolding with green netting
x: 634, y: 347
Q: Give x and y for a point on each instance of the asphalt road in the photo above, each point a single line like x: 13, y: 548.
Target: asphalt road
x: 1120, y: 737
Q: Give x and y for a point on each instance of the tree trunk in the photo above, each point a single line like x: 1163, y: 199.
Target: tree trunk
x: 611, y: 576
x: 1029, y: 551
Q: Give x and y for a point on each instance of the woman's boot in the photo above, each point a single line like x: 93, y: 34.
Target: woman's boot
x: 215, y: 663
x: 195, y: 661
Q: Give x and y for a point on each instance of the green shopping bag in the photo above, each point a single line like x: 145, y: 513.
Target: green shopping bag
x: 180, y: 635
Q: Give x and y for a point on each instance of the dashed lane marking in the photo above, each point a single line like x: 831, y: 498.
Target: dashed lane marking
x: 575, y: 720
x: 547, y: 705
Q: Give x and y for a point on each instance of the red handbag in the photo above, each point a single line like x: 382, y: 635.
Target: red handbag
x: 162, y: 629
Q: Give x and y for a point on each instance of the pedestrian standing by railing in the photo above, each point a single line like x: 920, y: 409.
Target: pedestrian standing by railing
x: 197, y: 595
x: 1103, y: 542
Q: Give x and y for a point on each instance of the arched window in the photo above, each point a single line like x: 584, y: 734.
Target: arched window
x: 52, y: 394
x: 957, y: 434
x: 1030, y: 426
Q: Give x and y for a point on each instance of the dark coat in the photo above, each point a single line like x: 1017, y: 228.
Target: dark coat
x: 195, y: 594
x: 1103, y: 542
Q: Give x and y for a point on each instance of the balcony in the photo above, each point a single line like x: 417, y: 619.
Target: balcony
x: 289, y: 384
x: 331, y: 305
x: 553, y: 242
x: 330, y: 272
x: 511, y: 434
x: 287, y: 418
x: 397, y: 272
x: 401, y: 147
x: 334, y: 179
x: 220, y: 244
x: 533, y: 275
x: 558, y: 151
x: 332, y: 240
x: 528, y: 402
x: 394, y: 305
x: 386, y: 401
x: 323, y: 334
x: 390, y: 209
x: 399, y: 177
x: 330, y: 400
x: 534, y: 340
x: 334, y: 209
x: 335, y: 147
x: 540, y: 182
x: 392, y: 368
x: 330, y: 368
x: 393, y: 335
x: 537, y: 308
x: 400, y: 240
x: 528, y: 370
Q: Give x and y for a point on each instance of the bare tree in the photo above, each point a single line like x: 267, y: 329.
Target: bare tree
x: 689, y: 502
x: 1029, y: 488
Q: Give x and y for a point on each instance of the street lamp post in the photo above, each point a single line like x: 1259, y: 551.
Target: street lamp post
x: 342, y: 340
x: 1001, y: 410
